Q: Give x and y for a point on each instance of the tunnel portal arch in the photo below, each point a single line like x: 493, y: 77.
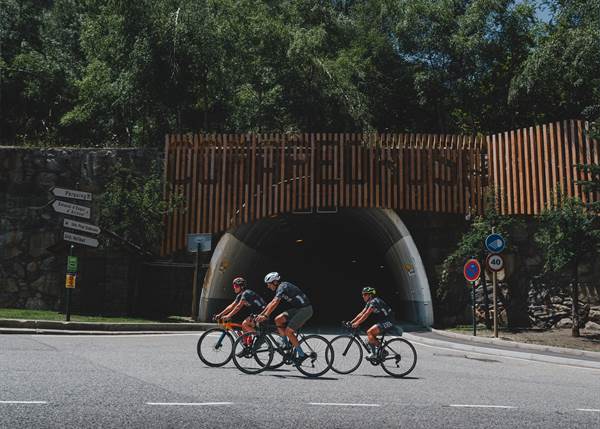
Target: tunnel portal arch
x: 255, y: 248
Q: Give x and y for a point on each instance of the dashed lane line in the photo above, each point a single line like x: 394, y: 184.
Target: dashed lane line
x: 188, y: 404
x: 337, y: 404
x: 481, y: 406
x: 589, y: 410
x: 24, y: 402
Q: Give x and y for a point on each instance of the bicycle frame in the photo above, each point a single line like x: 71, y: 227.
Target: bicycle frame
x: 236, y: 328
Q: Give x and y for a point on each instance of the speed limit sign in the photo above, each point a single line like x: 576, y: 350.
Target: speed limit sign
x: 494, y: 262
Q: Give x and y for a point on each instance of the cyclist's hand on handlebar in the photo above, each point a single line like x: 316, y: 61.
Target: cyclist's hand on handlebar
x: 354, y: 325
x: 215, y: 318
x: 225, y: 318
x: 260, y: 318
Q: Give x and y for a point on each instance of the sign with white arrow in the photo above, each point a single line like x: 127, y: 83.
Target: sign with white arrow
x: 81, y: 226
x: 71, y: 209
x: 70, y: 193
x: 80, y: 239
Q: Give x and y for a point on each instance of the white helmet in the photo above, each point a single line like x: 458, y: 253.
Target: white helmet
x: 272, y: 277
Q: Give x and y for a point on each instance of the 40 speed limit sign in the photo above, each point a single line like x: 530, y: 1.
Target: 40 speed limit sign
x: 494, y: 262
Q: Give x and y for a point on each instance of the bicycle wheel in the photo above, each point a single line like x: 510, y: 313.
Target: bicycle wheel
x: 398, y: 357
x: 252, y: 353
x: 319, y: 356
x: 278, y: 356
x: 215, y: 347
x: 348, y: 354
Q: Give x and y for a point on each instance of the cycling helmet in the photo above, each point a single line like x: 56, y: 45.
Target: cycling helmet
x: 369, y: 290
x: 272, y: 277
x: 240, y: 282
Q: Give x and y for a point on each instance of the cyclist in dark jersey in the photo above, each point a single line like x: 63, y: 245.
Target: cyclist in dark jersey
x: 383, y: 313
x: 291, y: 320
x: 246, y: 303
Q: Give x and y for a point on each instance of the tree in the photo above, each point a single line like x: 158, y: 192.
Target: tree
x: 568, y: 234
x: 132, y: 206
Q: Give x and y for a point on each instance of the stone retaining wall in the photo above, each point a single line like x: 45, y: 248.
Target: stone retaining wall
x: 32, y: 252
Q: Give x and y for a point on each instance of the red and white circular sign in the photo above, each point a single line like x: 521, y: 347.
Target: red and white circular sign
x: 494, y: 262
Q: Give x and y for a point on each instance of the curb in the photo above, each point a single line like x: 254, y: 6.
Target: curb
x: 524, y: 346
x: 538, y: 357
x: 7, y: 325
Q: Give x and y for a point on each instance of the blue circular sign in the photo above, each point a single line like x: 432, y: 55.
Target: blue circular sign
x: 495, y: 243
x: 472, y: 270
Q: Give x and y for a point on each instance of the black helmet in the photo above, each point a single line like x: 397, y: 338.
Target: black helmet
x: 239, y: 281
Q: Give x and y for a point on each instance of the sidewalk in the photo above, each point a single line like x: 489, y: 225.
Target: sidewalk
x: 499, y: 347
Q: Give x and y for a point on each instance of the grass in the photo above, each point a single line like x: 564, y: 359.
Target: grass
x: 18, y: 313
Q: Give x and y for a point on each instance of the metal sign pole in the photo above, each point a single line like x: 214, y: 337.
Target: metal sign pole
x: 494, y: 286
x: 68, y: 309
x: 195, y: 286
x: 474, y: 316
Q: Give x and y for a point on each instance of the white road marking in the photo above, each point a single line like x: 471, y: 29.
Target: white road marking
x: 465, y: 352
x: 480, y: 406
x: 116, y: 335
x: 591, y: 410
x: 24, y: 402
x: 188, y: 404
x: 335, y: 404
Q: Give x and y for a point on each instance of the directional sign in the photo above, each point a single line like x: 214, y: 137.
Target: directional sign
x: 472, y: 270
x: 80, y: 239
x: 495, y: 243
x: 70, y: 193
x: 200, y: 242
x: 71, y: 209
x: 81, y: 226
x: 494, y: 262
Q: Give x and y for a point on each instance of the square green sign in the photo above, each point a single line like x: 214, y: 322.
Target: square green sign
x: 71, y: 264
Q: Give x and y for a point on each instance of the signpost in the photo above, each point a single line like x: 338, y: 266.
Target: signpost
x: 80, y: 239
x: 198, y: 244
x: 495, y: 244
x: 472, y: 271
x: 81, y: 226
x: 71, y: 209
x: 70, y: 193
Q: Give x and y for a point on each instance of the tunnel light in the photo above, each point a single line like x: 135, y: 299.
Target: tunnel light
x: 381, y: 266
x: 354, y: 261
x: 299, y: 241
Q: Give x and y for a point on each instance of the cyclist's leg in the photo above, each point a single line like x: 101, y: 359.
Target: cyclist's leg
x: 372, y: 333
x: 281, y: 321
x: 297, y: 319
x: 248, y: 324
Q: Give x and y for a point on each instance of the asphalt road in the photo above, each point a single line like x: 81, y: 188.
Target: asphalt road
x: 158, y: 381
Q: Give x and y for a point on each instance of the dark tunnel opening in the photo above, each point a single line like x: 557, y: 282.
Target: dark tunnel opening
x: 331, y: 258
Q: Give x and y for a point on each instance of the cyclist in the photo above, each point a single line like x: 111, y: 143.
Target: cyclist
x: 384, y: 316
x: 291, y: 320
x: 246, y: 303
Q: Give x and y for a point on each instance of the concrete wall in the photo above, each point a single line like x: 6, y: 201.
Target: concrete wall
x: 32, y: 253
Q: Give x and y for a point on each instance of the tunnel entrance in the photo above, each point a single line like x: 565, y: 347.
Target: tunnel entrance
x: 331, y: 257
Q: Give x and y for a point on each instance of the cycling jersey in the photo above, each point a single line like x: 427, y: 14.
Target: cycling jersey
x: 292, y: 295
x: 381, y: 311
x: 254, y: 300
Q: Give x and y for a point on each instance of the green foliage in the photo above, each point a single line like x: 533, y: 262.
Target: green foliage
x: 113, y: 72
x: 451, y: 292
x: 132, y: 206
x: 568, y: 233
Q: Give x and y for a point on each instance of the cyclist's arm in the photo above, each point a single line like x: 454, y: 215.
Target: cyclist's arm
x: 235, y: 309
x: 365, y: 314
x: 225, y: 310
x: 358, y: 316
x: 271, y: 307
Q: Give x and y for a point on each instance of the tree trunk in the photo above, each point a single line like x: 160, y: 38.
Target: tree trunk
x: 575, y: 298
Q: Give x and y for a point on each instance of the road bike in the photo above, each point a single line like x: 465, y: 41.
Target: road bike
x: 396, y: 356
x: 215, y: 346
x: 254, y: 352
